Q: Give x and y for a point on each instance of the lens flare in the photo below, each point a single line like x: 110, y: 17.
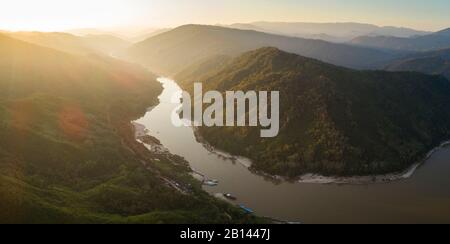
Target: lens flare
x: 73, y: 122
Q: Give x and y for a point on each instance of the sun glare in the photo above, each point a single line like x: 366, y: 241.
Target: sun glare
x: 52, y: 15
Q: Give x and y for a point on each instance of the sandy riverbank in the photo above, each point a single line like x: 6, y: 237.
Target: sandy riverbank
x: 374, y: 179
x: 246, y: 162
x: 320, y: 179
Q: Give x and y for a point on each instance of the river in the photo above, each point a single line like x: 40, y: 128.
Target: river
x: 423, y: 198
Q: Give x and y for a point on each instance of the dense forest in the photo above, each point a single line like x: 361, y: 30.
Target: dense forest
x: 67, y: 150
x: 334, y: 120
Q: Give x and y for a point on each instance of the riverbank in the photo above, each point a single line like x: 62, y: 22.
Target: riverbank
x: 152, y: 143
x: 289, y: 200
x: 320, y: 179
x: 246, y: 162
x: 154, y: 146
x: 374, y: 179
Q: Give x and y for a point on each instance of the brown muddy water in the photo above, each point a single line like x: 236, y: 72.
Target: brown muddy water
x: 423, y: 198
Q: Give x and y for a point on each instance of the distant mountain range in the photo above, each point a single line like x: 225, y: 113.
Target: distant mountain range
x: 334, y: 121
x: 334, y: 32
x: 93, y: 31
x: 434, y: 41
x: 433, y: 62
x: 172, y: 51
x: 144, y: 35
x: 100, y: 44
x: 106, y: 43
x: 132, y: 35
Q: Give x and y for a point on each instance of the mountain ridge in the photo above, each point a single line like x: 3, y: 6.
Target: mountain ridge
x: 433, y: 62
x: 433, y: 41
x: 171, y: 51
x: 336, y: 32
x: 79, y: 45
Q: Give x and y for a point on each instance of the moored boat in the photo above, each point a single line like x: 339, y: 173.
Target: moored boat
x: 230, y: 196
x: 211, y: 182
x: 247, y: 210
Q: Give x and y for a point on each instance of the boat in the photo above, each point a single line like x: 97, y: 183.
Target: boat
x: 230, y: 196
x: 211, y: 183
x: 294, y: 223
x: 247, y: 210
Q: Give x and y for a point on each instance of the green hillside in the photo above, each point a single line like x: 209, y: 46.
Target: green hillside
x: 67, y: 150
x: 333, y: 120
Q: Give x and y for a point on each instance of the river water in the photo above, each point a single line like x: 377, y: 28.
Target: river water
x: 423, y: 198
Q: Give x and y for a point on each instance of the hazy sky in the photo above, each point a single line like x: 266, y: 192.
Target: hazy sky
x: 47, y: 15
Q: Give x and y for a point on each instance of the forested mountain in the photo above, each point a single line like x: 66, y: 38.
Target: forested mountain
x: 67, y: 149
x: 172, y: 51
x: 333, y: 120
x: 434, y: 62
x: 434, y: 41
